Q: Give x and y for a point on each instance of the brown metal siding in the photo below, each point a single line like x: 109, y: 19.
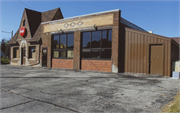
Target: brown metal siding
x: 174, y: 52
x: 126, y: 52
x: 166, y: 57
x: 137, y: 51
x: 169, y: 58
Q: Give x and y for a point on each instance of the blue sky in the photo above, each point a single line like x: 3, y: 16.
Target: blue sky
x: 161, y: 17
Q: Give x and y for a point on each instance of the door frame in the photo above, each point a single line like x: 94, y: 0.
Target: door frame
x: 22, y: 57
x: 42, y: 56
x: 148, y: 53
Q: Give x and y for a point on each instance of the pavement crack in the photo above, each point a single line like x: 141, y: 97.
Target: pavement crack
x: 12, y: 88
x: 41, y: 101
x: 16, y: 105
x: 59, y: 93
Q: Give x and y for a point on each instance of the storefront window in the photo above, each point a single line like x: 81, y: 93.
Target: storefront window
x: 63, y: 45
x: 97, y: 44
x: 86, y: 40
x: 56, y: 42
x: 86, y: 53
x: 70, y: 41
x: 63, y: 54
x: 56, y: 54
x: 96, y: 39
x: 70, y: 54
x: 106, y: 53
x: 62, y: 41
x: 95, y: 53
x: 106, y: 39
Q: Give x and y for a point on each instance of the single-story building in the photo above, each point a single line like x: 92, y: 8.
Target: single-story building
x: 177, y: 39
x: 101, y: 41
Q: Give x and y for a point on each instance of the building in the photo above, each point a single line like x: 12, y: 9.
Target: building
x: 101, y: 41
x: 176, y: 39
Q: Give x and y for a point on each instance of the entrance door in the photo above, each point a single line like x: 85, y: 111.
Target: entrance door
x: 23, y: 56
x: 44, y: 57
x: 156, y: 59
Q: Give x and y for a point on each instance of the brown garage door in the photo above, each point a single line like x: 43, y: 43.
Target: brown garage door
x: 156, y: 59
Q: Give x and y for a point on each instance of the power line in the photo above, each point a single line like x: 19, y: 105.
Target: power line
x: 6, y: 32
x: 24, y: 4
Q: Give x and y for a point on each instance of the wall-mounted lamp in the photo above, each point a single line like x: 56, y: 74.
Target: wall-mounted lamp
x: 61, y: 31
x: 95, y: 27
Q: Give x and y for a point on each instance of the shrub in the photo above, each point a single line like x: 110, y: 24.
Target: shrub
x: 4, y: 60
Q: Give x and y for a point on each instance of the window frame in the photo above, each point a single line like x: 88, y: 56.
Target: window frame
x: 101, y: 48
x: 59, y: 49
x: 15, y: 51
x: 24, y: 22
x: 31, y: 53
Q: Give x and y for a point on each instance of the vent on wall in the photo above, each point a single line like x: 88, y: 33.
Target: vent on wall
x: 150, y: 31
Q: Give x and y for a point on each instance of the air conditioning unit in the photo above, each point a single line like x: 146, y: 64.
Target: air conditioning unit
x: 176, y: 72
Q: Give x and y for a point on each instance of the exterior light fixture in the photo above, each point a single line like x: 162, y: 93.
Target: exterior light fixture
x: 61, y: 31
x: 95, y: 27
x: 32, y: 50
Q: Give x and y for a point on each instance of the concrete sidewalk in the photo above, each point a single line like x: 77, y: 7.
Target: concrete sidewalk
x: 30, y: 89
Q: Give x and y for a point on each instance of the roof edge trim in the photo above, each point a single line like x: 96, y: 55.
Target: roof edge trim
x: 130, y: 24
x: 150, y: 34
x: 28, y: 22
x: 80, y: 16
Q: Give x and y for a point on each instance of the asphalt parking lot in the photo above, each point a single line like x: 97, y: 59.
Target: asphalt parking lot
x: 30, y: 89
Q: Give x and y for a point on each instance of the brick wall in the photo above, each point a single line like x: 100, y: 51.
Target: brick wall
x: 46, y: 43
x: 115, y: 42
x: 62, y: 63
x: 13, y: 60
x: 96, y: 65
x: 77, y: 49
x: 36, y: 60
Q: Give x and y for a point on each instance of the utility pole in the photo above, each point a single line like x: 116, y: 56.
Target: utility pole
x: 12, y: 34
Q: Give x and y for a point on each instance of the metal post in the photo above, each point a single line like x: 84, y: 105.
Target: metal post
x: 12, y: 34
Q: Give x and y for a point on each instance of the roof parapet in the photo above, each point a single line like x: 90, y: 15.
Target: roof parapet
x: 67, y: 19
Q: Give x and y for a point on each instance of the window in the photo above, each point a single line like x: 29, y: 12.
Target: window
x: 63, y: 46
x: 97, y: 44
x: 16, y: 52
x: 32, y: 52
x: 24, y: 23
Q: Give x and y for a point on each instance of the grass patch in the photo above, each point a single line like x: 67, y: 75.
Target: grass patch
x: 4, y: 60
x: 173, y: 106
